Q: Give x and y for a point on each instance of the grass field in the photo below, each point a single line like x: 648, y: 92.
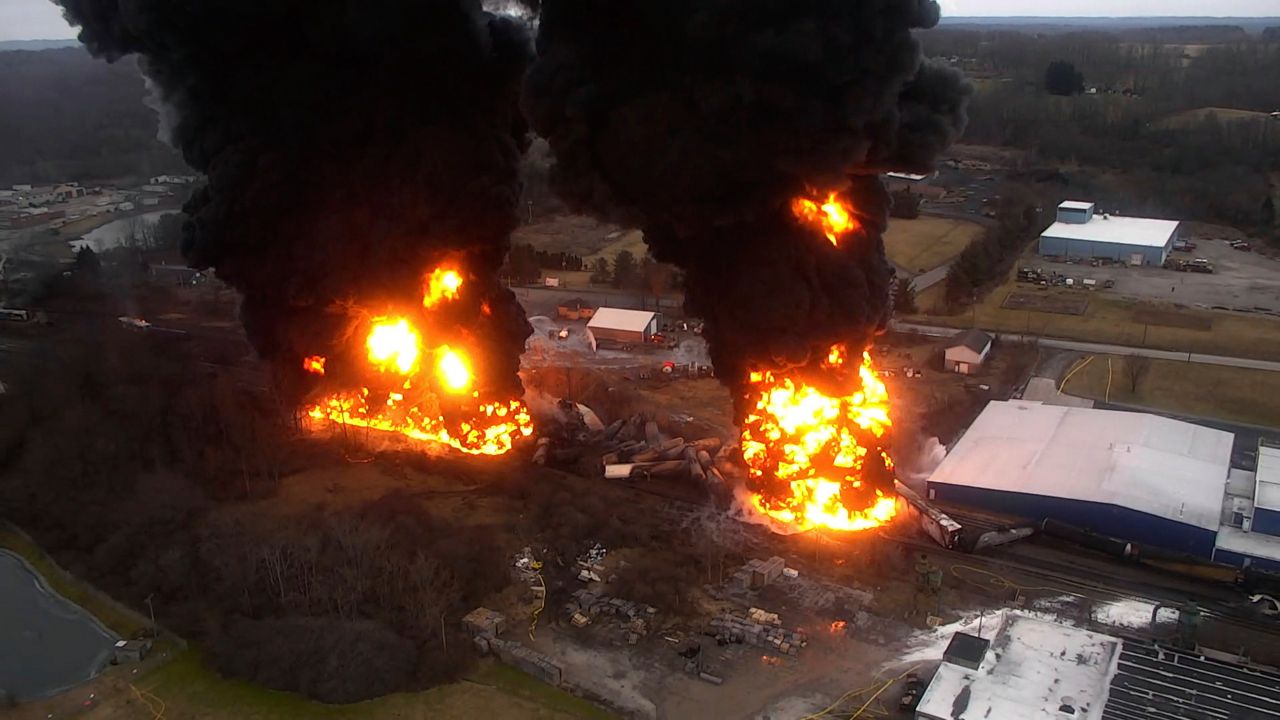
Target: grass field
x: 925, y: 243
x: 1226, y: 393
x: 189, y: 689
x: 1109, y: 319
x: 1194, y: 118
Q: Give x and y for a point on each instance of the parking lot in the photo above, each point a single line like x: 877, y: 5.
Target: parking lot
x: 1241, y: 281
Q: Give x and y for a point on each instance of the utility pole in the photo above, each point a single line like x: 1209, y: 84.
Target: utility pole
x: 152, y: 609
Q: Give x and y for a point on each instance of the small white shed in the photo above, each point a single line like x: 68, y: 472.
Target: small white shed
x: 966, y: 352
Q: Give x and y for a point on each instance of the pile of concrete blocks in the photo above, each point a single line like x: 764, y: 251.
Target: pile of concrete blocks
x: 731, y: 627
x: 518, y: 656
x: 758, y: 573
x: 483, y: 621
x: 586, y: 606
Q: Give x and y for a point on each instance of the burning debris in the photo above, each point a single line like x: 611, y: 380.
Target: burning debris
x: 362, y: 180
x: 747, y: 149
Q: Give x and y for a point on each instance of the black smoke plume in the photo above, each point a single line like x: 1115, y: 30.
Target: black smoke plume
x: 700, y: 121
x: 349, y: 147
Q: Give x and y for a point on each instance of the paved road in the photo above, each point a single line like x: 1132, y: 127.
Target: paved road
x: 1100, y: 348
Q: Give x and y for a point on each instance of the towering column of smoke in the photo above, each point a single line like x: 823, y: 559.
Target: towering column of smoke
x: 349, y: 147
x: 701, y: 120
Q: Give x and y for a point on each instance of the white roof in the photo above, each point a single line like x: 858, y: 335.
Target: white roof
x: 1254, y: 544
x: 1120, y: 230
x: 914, y: 177
x: 1075, y: 205
x: 1031, y: 668
x: 1149, y: 463
x: 1267, y: 495
x: 618, y: 319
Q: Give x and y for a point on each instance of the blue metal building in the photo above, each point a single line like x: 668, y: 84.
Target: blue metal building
x: 1138, y: 477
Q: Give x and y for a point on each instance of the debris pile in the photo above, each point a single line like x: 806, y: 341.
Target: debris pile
x: 758, y: 628
x: 636, y: 618
x: 636, y: 448
x: 591, y: 563
x: 528, y: 571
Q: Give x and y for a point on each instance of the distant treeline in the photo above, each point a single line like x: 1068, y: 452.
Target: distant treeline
x: 67, y: 116
x: 1132, y: 120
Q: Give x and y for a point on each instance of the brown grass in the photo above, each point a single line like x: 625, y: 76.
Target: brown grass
x: 1113, y: 320
x: 1213, y: 391
x: 1074, y: 304
x: 925, y: 243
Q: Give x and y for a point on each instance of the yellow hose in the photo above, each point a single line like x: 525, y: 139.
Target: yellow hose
x: 542, y: 603
x: 1108, y: 395
x: 1079, y: 366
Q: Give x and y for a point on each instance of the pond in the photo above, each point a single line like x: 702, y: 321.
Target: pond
x: 114, y: 233
x: 47, y: 644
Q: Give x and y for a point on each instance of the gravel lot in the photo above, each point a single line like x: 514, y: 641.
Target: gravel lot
x: 1243, y: 280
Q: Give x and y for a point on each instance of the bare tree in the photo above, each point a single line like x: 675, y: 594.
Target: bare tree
x: 1136, y: 368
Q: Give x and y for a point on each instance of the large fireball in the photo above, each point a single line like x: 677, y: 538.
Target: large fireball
x: 421, y: 389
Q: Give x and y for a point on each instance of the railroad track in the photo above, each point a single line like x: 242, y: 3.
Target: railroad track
x: 1080, y: 580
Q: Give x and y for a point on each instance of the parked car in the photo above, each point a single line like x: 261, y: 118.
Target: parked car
x: 911, y: 693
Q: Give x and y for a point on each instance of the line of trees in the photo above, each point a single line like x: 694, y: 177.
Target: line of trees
x: 986, y: 262
x: 1147, y: 141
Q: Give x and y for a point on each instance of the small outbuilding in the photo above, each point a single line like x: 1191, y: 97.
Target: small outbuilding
x: 966, y: 352
x: 621, y: 327
x: 130, y: 651
x: 575, y: 309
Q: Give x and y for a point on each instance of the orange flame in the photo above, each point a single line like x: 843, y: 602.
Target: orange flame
x: 394, y: 345
x: 314, y: 364
x: 799, y: 435
x: 838, y: 626
x: 412, y: 407
x: 442, y: 284
x: 832, y: 216
x: 453, y: 371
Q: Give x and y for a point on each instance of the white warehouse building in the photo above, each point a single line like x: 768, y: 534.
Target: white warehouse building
x: 1080, y: 232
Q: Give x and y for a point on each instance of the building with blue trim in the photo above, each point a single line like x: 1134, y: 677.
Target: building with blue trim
x: 1143, y: 478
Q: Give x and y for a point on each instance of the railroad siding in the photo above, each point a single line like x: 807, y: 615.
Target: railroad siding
x: 1112, y: 520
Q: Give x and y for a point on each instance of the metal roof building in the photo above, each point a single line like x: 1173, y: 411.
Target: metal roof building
x: 1082, y: 233
x: 1250, y: 533
x: 1037, y: 670
x: 1033, y: 670
x: 628, y: 327
x: 1139, y: 477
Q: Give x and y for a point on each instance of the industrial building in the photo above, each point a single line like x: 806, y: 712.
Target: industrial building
x: 1031, y: 669
x: 621, y: 327
x: 966, y: 352
x: 1250, y: 532
x: 1028, y: 669
x: 1081, y: 232
x: 1134, y: 476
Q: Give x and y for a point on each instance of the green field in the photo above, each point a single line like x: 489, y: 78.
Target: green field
x: 1213, y: 391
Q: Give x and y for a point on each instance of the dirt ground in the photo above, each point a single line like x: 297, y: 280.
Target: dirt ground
x: 925, y: 243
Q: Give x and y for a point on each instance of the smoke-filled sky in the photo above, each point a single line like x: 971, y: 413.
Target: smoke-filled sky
x: 41, y: 19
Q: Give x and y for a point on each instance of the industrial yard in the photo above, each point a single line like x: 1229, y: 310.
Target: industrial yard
x: 827, y: 361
